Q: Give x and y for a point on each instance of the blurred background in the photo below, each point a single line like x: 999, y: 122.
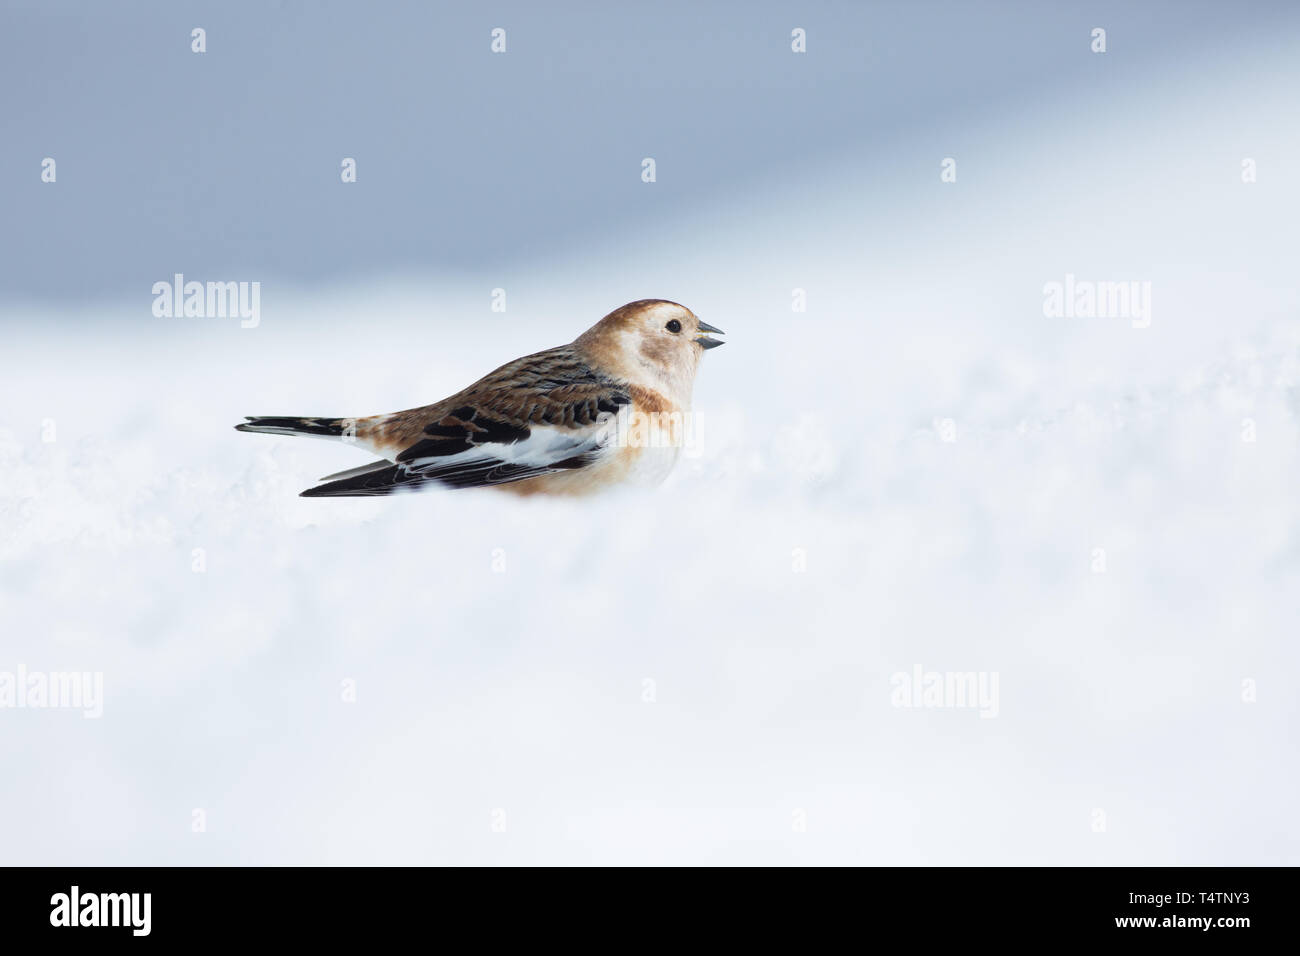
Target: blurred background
x: 903, y: 461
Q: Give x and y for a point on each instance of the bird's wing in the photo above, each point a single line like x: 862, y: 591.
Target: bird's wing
x: 538, y: 415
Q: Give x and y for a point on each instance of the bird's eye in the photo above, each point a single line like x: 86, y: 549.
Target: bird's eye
x: 673, y: 326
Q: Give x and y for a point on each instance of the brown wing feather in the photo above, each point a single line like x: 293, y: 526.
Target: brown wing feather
x: 556, y: 387
x: 460, y: 442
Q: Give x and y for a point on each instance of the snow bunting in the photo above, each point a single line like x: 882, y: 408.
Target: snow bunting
x: 555, y: 422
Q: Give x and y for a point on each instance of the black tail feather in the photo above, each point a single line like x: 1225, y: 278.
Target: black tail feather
x: 286, y: 425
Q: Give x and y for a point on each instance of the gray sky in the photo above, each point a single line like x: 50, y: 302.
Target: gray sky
x: 226, y: 165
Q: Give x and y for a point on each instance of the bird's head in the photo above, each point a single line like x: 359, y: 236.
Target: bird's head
x: 653, y: 340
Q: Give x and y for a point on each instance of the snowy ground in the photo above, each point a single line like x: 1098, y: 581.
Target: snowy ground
x: 825, y: 537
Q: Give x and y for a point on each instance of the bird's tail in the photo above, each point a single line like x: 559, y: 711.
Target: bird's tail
x: 281, y: 425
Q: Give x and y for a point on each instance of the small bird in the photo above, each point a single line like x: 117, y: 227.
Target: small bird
x: 608, y: 408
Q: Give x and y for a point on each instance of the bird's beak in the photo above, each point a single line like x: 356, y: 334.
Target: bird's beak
x: 706, y: 342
